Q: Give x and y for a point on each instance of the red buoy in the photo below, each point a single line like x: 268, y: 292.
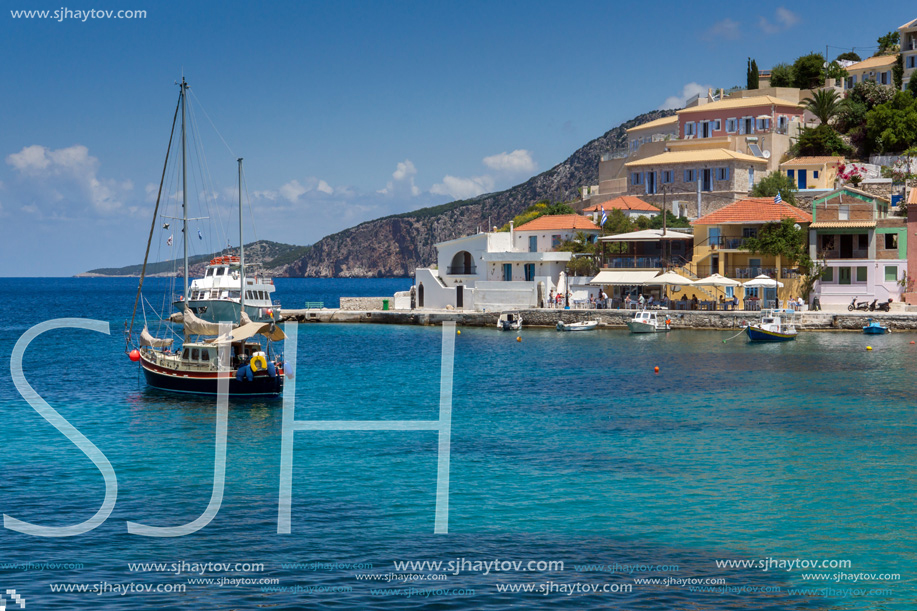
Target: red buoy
x: 134, y: 355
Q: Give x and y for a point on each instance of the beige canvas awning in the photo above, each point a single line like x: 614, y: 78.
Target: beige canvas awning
x: 624, y: 277
x: 250, y: 330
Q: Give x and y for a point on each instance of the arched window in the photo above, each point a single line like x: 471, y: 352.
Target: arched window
x: 462, y: 264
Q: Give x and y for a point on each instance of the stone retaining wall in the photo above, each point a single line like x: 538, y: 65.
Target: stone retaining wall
x: 853, y: 321
x: 365, y: 303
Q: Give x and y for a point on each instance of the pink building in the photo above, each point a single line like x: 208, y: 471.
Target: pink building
x: 738, y: 117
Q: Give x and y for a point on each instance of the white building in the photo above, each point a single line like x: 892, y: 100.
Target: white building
x: 501, y: 270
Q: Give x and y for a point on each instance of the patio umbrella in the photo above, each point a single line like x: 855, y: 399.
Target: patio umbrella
x: 765, y: 281
x: 716, y: 280
x: 671, y: 279
x: 562, y: 287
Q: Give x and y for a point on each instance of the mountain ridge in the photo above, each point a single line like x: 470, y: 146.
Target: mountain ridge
x: 397, y: 244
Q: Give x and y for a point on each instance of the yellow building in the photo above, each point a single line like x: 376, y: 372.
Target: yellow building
x: 718, y: 240
x: 812, y: 172
x: 877, y: 69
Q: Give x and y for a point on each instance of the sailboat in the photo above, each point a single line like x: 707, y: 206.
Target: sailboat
x: 195, y: 367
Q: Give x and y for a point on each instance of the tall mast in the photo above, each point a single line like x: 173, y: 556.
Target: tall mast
x: 241, y: 248
x: 184, y: 185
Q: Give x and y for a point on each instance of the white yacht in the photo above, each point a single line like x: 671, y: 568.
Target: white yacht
x: 216, y: 296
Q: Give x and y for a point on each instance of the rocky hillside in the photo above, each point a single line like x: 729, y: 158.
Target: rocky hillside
x: 273, y: 257
x: 396, y: 245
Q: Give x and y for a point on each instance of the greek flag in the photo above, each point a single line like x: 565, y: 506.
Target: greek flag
x: 777, y: 198
x: 169, y: 241
x: 604, y: 216
x: 199, y: 234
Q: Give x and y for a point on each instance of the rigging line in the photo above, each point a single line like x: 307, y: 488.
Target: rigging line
x: 204, y: 110
x: 155, y: 219
x: 207, y: 183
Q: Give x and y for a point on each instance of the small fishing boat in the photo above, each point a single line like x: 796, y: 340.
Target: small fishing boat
x: 586, y: 325
x: 874, y: 328
x: 509, y: 321
x: 649, y: 322
x: 775, y: 326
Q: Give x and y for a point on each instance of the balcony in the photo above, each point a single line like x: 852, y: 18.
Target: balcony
x: 462, y: 270
x: 631, y: 262
x: 726, y: 243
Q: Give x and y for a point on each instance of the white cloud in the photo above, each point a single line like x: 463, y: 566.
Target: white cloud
x: 688, y: 91
x: 292, y: 191
x: 463, y: 188
x: 324, y: 187
x: 785, y: 19
x: 724, y: 29
x: 517, y: 162
x: 30, y: 159
x: 402, y: 182
x: 268, y: 194
x: 68, y: 174
x: 404, y: 170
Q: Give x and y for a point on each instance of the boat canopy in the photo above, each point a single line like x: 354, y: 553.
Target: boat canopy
x: 268, y: 330
x: 146, y: 339
x: 194, y: 325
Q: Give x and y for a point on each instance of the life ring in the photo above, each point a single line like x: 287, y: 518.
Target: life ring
x: 258, y: 362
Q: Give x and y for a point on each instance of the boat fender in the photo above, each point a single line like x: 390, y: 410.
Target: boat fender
x: 249, y: 374
x: 258, y: 363
x: 240, y: 373
x: 271, y: 371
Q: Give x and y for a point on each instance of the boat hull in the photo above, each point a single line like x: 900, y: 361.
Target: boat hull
x: 642, y: 327
x: 576, y: 326
x: 262, y: 385
x: 875, y: 330
x: 756, y: 334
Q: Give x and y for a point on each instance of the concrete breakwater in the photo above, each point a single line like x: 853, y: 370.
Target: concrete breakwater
x: 853, y: 321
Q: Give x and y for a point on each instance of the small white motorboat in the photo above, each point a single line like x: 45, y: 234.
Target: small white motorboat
x: 586, y: 325
x: 649, y: 322
x: 509, y: 321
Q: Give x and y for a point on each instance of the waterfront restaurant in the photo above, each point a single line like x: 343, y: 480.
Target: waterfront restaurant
x: 631, y: 260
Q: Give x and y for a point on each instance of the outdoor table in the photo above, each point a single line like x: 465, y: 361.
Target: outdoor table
x: 681, y: 305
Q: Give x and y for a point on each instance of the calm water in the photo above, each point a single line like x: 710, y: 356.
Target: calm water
x: 565, y: 448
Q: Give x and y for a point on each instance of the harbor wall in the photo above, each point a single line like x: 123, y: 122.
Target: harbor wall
x: 806, y: 321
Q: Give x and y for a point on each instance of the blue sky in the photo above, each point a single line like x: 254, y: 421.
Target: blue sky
x: 347, y: 111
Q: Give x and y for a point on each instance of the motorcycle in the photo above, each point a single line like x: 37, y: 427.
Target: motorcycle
x: 863, y: 305
x: 872, y: 306
x: 885, y: 306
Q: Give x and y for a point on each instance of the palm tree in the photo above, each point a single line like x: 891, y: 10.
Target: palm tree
x: 825, y: 104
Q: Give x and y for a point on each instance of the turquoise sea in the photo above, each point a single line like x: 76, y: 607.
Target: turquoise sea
x: 721, y: 477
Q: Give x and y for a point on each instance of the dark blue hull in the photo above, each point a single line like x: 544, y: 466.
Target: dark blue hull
x: 262, y: 385
x: 760, y: 335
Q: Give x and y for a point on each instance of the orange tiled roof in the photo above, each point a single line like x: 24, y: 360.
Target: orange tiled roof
x: 625, y: 202
x: 813, y: 161
x: 912, y: 198
x: 754, y: 210
x: 559, y: 221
